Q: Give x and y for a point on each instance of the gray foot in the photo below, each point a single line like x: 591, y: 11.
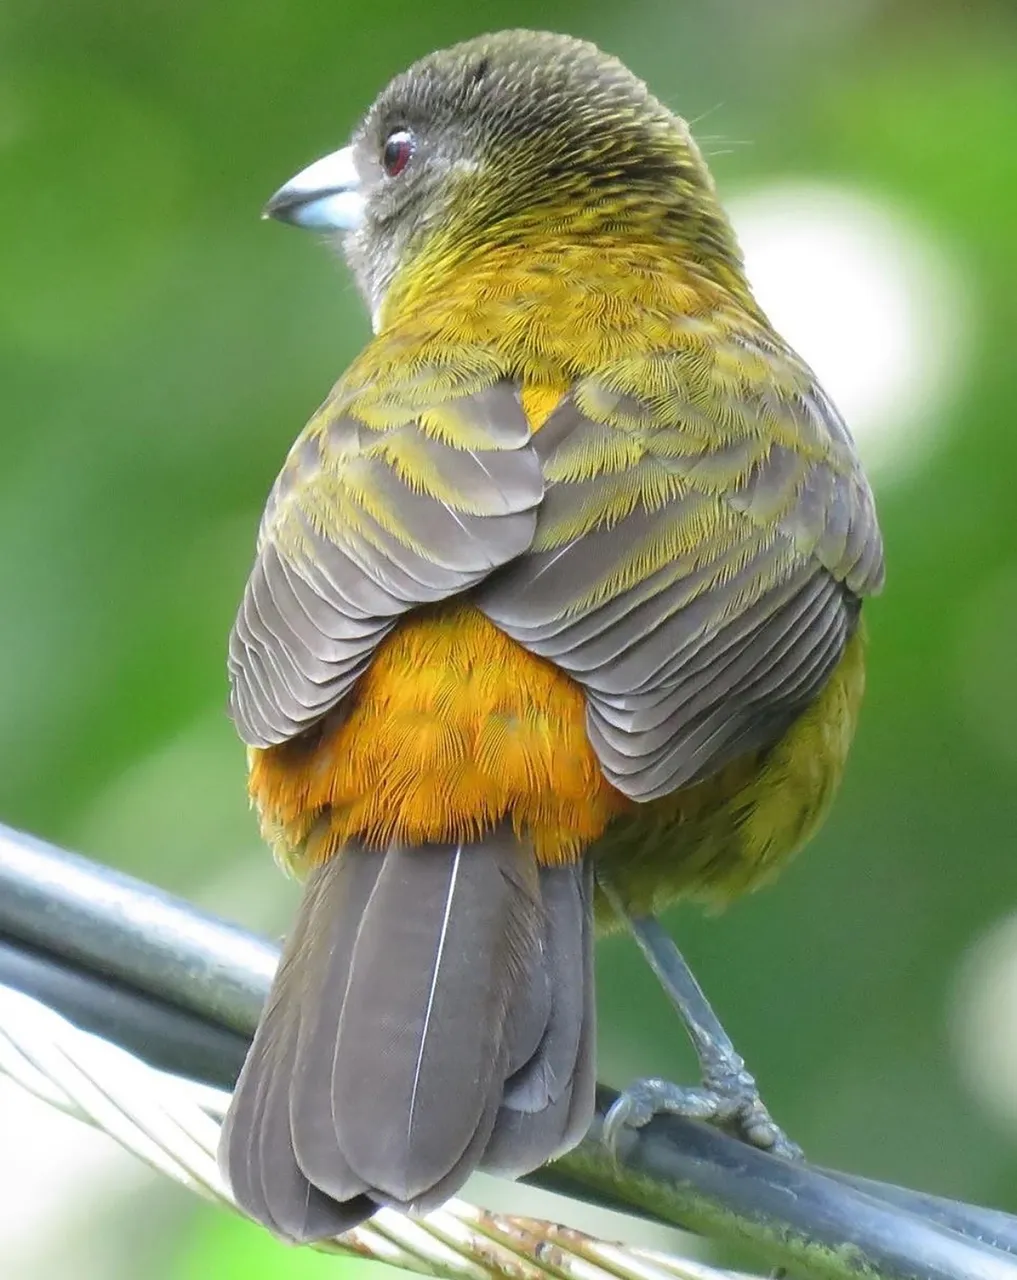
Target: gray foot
x: 734, y: 1105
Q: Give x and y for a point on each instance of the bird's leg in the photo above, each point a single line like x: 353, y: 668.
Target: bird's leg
x: 728, y: 1095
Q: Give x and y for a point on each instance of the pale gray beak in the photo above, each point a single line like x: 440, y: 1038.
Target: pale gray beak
x: 325, y: 196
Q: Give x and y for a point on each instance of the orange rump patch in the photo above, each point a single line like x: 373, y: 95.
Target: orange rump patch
x: 452, y: 729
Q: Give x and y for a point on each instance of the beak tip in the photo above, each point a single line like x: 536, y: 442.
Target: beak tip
x: 275, y: 207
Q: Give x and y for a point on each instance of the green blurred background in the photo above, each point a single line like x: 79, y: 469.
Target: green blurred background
x: 160, y: 347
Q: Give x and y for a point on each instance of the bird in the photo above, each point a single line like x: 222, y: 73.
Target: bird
x: 554, y: 621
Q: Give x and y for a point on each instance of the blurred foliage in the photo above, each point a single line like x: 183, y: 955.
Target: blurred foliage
x: 160, y: 347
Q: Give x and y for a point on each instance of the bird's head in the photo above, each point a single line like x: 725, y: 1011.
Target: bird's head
x: 507, y: 138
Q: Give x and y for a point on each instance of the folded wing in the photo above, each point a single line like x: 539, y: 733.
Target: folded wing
x: 704, y: 540
x: 384, y: 504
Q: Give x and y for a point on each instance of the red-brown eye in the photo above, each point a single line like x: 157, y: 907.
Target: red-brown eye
x: 396, y: 153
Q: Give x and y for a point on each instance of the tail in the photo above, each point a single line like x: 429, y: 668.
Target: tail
x: 433, y: 1014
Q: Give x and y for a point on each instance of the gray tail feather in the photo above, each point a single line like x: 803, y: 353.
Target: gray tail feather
x: 433, y: 1014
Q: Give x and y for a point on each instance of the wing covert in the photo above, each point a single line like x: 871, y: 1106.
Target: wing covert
x: 386, y: 502
x: 704, y: 539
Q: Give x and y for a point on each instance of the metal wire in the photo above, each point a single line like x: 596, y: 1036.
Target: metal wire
x: 183, y: 990
x: 173, y: 1124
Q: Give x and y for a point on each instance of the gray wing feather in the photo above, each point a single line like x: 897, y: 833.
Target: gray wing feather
x: 363, y: 525
x: 690, y: 660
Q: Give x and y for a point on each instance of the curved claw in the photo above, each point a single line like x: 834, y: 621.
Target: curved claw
x: 643, y: 1099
